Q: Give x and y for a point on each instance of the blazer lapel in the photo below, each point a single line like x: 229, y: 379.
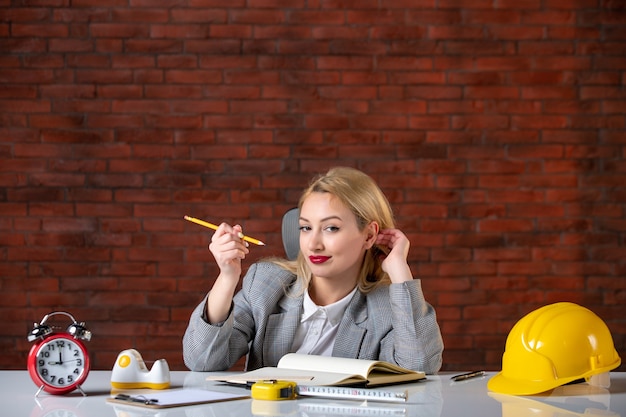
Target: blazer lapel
x: 351, y: 334
x: 281, y: 329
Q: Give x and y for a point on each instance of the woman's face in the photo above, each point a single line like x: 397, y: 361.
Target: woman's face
x: 330, y: 240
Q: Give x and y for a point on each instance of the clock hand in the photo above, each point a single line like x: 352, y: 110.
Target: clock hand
x: 59, y: 362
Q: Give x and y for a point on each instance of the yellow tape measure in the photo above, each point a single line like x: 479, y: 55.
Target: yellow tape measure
x: 274, y: 390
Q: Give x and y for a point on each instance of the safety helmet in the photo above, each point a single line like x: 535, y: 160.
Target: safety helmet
x: 552, y: 346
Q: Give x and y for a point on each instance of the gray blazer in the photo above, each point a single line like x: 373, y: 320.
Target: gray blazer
x: 392, y: 323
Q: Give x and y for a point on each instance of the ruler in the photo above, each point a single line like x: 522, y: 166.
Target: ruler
x: 348, y: 393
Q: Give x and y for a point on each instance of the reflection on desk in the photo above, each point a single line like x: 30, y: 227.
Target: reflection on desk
x: 437, y: 396
x: 569, y: 400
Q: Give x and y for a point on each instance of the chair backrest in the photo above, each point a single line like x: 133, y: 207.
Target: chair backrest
x: 291, y: 233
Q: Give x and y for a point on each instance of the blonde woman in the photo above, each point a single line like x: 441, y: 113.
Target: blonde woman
x: 350, y: 293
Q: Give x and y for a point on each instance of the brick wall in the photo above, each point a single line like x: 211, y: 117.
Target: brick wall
x: 497, y: 129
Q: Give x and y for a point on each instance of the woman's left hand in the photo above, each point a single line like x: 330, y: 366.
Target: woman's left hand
x: 395, y: 263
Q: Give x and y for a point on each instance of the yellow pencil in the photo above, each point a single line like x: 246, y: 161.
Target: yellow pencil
x: 214, y: 227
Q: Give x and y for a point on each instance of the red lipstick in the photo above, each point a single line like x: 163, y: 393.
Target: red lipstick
x: 318, y: 259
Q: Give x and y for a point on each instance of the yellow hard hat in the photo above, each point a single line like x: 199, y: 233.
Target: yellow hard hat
x: 552, y: 346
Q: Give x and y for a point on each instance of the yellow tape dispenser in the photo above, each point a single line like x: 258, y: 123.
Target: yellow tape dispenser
x: 130, y: 372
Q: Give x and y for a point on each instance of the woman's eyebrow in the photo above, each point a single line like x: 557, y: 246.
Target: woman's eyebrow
x: 322, y: 220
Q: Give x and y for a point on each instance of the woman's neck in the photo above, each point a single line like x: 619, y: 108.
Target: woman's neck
x: 324, y: 292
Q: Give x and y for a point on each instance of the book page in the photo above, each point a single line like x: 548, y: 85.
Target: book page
x: 349, y: 366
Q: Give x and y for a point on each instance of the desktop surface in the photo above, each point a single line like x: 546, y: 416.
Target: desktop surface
x: 437, y: 396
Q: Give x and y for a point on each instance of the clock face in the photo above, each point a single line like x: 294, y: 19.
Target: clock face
x: 60, y: 363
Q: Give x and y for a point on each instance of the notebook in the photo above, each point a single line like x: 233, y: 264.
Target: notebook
x: 329, y: 371
x: 174, y: 398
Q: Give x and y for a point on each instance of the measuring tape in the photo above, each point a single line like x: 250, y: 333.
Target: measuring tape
x: 288, y: 390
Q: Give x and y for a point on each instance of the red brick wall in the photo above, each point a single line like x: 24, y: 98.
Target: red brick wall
x: 497, y: 129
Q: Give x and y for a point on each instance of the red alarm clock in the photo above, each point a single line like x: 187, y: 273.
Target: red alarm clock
x: 58, y: 362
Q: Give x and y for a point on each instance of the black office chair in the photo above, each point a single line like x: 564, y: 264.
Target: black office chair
x: 291, y: 233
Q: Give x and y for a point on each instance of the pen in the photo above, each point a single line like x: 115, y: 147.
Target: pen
x: 138, y: 399
x: 214, y: 227
x: 468, y: 375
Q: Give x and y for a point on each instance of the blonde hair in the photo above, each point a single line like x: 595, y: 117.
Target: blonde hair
x: 359, y: 193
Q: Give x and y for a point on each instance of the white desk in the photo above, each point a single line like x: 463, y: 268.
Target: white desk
x: 435, y: 397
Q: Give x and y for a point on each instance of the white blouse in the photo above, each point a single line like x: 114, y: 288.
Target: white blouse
x: 318, y: 326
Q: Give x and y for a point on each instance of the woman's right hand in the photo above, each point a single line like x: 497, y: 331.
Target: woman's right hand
x: 229, y: 249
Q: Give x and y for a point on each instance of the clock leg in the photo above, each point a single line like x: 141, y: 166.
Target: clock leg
x: 38, y: 391
x: 78, y: 387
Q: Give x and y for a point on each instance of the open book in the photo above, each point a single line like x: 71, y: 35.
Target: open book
x: 328, y: 370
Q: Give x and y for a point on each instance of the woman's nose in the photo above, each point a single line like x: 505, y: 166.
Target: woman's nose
x: 313, y: 241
